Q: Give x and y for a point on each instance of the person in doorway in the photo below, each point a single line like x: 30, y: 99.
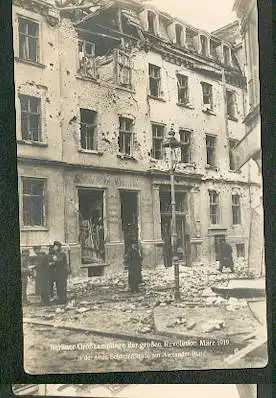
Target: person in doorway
x: 133, y: 261
x: 52, y: 281
x: 25, y: 273
x: 42, y: 274
x: 226, y: 258
x: 61, y: 272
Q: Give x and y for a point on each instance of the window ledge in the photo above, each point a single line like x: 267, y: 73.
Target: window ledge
x: 29, y: 62
x: 233, y: 118
x: 191, y: 165
x: 128, y: 89
x: 86, y: 78
x: 153, y: 160
x: 235, y: 171
x: 209, y: 167
x: 208, y: 111
x: 157, y: 98
x: 90, y: 151
x: 216, y: 226
x: 126, y: 157
x: 34, y: 228
x: 188, y: 106
x: 32, y: 143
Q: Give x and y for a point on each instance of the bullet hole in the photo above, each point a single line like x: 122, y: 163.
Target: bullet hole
x: 68, y: 72
x: 51, y: 64
x: 51, y: 117
x: 74, y: 118
x: 59, y: 113
x: 48, y: 100
x: 50, y: 44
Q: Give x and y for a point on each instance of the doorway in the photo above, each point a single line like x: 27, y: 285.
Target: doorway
x: 91, y: 225
x: 129, y: 217
x: 218, y: 241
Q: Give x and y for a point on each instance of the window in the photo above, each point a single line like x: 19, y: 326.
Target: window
x: 126, y: 136
x: 87, y: 64
x: 88, y: 126
x: 185, y: 139
x: 154, y: 80
x: 204, y: 45
x: 178, y: 35
x: 207, y: 95
x: 123, y: 69
x: 157, y: 140
x: 240, y: 250
x: 226, y: 55
x: 33, y: 202
x: 214, y: 207
x: 151, y: 22
x: 28, y: 40
x: 182, y: 88
x: 232, y: 144
x: 30, y: 118
x: 236, y: 209
x: 231, y: 104
x: 211, y: 150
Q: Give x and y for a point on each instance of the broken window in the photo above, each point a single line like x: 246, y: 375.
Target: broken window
x: 240, y: 247
x: 211, y: 150
x: 155, y: 80
x: 182, y: 89
x: 185, y: 139
x: 207, y: 95
x: 126, y: 136
x: 226, y: 55
x: 87, y: 64
x: 214, y: 207
x: 231, y: 104
x: 236, y: 209
x: 165, y: 201
x: 28, y: 40
x: 30, y: 118
x: 151, y: 22
x: 123, y: 69
x: 33, y: 202
x: 179, y: 35
x: 232, y: 144
x: 88, y: 127
x: 157, y: 140
x: 204, y: 45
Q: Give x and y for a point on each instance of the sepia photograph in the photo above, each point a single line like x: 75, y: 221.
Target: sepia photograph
x: 138, y: 390
x: 140, y: 188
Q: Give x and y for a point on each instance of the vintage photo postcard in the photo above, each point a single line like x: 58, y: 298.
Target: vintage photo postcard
x: 138, y: 390
x: 140, y: 185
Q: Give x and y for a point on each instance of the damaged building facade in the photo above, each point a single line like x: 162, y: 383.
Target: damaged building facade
x: 98, y: 88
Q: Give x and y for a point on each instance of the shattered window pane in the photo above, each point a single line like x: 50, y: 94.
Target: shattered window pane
x: 157, y: 141
x: 214, y: 207
x: 185, y: 138
x: 236, y: 209
x: 30, y: 118
x: 210, y: 149
x: 33, y: 202
x: 87, y: 65
x: 182, y: 88
x: 207, y: 95
x: 88, y: 128
x: 124, y: 69
x: 28, y: 40
x: 126, y: 136
x: 154, y: 80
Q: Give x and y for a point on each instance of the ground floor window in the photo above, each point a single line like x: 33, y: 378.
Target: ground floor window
x: 33, y: 192
x: 240, y: 250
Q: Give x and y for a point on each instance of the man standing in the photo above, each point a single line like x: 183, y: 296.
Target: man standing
x: 43, y: 274
x: 25, y: 272
x: 61, y: 272
x: 226, y: 259
x: 133, y: 262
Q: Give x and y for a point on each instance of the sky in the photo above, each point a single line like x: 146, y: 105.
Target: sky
x: 208, y: 15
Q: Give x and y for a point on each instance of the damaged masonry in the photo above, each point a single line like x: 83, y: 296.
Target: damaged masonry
x: 100, y: 86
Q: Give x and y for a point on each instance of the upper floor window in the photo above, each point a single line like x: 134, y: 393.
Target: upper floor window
x: 185, y: 139
x: 28, y: 40
x: 33, y: 192
x: 236, y: 209
x: 123, y: 69
x: 182, y: 89
x: 126, y: 136
x: 226, y: 55
x: 179, y: 35
x: 155, y: 81
x: 204, y: 45
x: 87, y: 64
x: 30, y: 118
x: 207, y: 95
x: 214, y: 207
x: 232, y: 144
x: 151, y: 22
x: 88, y: 127
x: 231, y: 104
x: 211, y: 150
x: 157, y: 140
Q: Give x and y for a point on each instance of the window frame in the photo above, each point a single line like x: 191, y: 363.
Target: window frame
x: 89, y: 126
x: 179, y: 34
x: 123, y: 133
x: 236, y: 209
x: 185, y: 145
x: 119, y: 54
x: 232, y: 143
x: 27, y: 37
x: 204, y: 86
x: 182, y: 88
x: 151, y: 29
x: 214, y: 140
x: 42, y: 180
x: 233, y: 114
x: 90, y: 57
x: 238, y: 247
x: 157, y: 138
x: 214, y: 204
x: 224, y: 56
x: 157, y: 80
x: 29, y: 114
x: 205, y: 40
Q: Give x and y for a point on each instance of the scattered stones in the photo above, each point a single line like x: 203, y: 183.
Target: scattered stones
x: 60, y: 310
x: 191, y: 325
x: 213, y: 325
x: 82, y: 310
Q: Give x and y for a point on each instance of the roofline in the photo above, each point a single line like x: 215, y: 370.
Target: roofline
x: 236, y: 22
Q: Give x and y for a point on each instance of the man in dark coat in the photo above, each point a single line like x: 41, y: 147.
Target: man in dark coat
x: 43, y: 274
x: 133, y: 261
x: 25, y: 272
x: 226, y: 258
x: 61, y: 272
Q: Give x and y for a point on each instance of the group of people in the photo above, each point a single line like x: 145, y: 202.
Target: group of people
x: 51, y: 270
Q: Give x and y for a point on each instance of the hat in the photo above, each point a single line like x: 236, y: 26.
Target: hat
x: 57, y: 243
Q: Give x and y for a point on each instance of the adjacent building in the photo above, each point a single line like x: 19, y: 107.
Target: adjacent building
x: 98, y: 88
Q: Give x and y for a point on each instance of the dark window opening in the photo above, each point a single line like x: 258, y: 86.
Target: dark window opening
x: 230, y: 103
x: 123, y: 69
x: 214, y: 207
x: 151, y: 22
x: 126, y: 136
x: 182, y: 89
x: 236, y: 209
x: 33, y: 202
x: 28, y: 40
x: 226, y: 55
x: 154, y: 80
x: 207, y: 95
x: 204, y: 46
x: 185, y: 139
x: 88, y: 126
x: 165, y: 201
x: 157, y: 141
x: 240, y: 247
x: 129, y: 217
x: 179, y: 35
x: 87, y: 64
x: 232, y: 144
x: 211, y: 150
x: 30, y: 118
x: 218, y: 242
